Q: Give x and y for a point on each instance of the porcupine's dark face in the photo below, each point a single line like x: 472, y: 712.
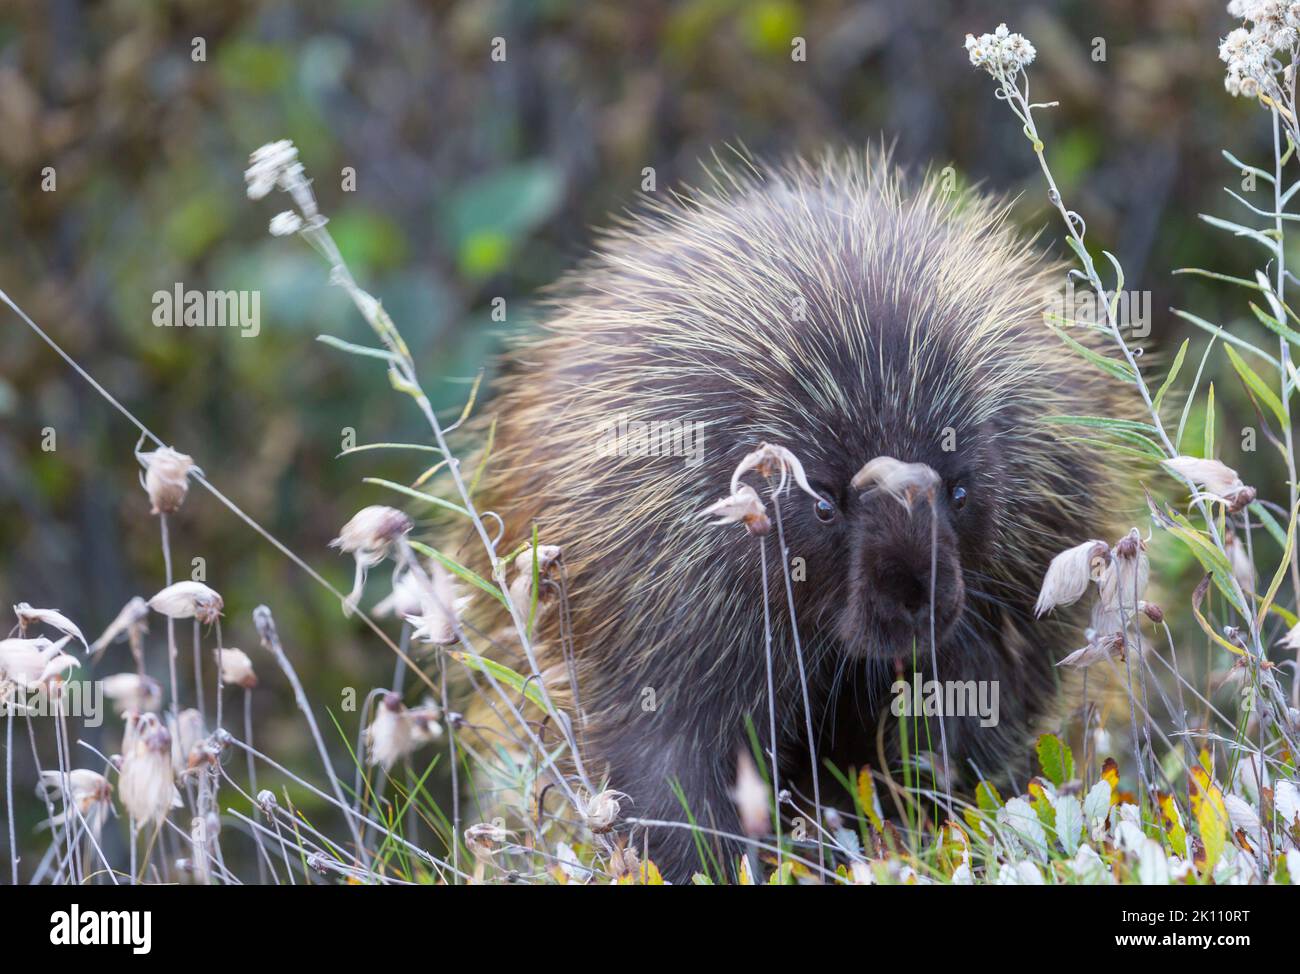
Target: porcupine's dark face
x: 883, y: 565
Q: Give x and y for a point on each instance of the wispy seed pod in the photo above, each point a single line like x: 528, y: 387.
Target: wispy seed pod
x: 186, y: 600
x: 396, y: 731
x: 236, y: 668
x: 521, y: 589
x: 602, y: 810
x: 369, y: 537
x: 133, y: 692
x: 1069, y: 573
x: 1220, y: 482
x: 146, y: 784
x: 88, y: 791
x: 132, y: 621
x: 904, y: 482
x: 742, y: 507
x: 187, y: 735
x: 28, y: 616
x: 166, y: 479
x: 441, y: 605
x: 24, y: 662
x: 484, y: 839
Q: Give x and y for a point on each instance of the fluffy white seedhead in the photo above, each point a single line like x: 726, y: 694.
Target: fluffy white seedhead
x: 1069, y: 573
x: 1218, y: 481
x: 186, y: 600
x: 134, y: 615
x: 752, y: 798
x: 742, y: 506
x: 133, y: 692
x: 146, y: 784
x: 167, y: 478
x: 237, y: 668
x: 904, y: 482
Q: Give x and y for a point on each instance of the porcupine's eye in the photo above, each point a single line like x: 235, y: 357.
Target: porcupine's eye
x: 958, y: 497
x: 824, y: 510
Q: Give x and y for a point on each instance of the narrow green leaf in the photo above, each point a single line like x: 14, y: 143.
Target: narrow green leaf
x: 460, y: 571
x: 1173, y: 374
x: 1118, y: 370
x: 352, y: 349
x: 417, y: 494
x: 1258, y: 387
x: 502, y: 674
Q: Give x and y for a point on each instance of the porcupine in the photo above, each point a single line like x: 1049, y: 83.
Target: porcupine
x: 842, y: 311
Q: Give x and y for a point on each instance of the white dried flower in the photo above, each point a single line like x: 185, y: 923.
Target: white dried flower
x: 269, y: 166
x: 188, y: 600
x: 88, y: 792
x: 369, y: 537
x: 133, y: 617
x: 904, y: 482
x: 1243, y: 569
x: 1001, y: 52
x: 1220, y: 482
x: 521, y: 589
x: 396, y: 731
x: 602, y: 810
x: 484, y: 839
x: 188, y: 736
x: 132, y: 692
x: 769, y: 460
x: 1099, y: 648
x: 1069, y: 573
x: 146, y: 784
x: 441, y: 605
x: 24, y: 662
x: 236, y: 668
x: 742, y: 507
x: 751, y: 797
x: 286, y: 223
x: 49, y: 617
x: 167, y: 478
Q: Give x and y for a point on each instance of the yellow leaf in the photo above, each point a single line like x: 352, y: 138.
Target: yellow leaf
x: 1211, y: 816
x: 869, y: 800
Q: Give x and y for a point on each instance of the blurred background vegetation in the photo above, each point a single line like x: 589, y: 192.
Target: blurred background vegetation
x: 477, y: 179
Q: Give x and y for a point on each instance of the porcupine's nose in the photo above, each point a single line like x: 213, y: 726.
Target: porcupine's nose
x: 903, y: 588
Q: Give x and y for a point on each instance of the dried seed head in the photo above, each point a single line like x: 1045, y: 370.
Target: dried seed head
x: 1001, y: 53
x: 133, y: 618
x: 1107, y: 646
x: 484, y: 839
x: 236, y: 668
x: 28, y: 616
x: 146, y: 784
x: 521, y: 589
x: 185, y: 600
x: 396, y: 731
x: 771, y: 460
x: 369, y: 537
x: 88, y: 791
x: 441, y: 605
x: 133, y: 692
x: 24, y: 662
x: 602, y: 810
x: 166, y: 479
x: 1069, y: 573
x: 905, y: 482
x: 188, y: 735
x: 1153, y: 612
x: 752, y: 798
x: 1220, y: 482
x: 742, y: 507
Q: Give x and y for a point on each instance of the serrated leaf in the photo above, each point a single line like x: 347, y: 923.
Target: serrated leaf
x: 1097, y: 803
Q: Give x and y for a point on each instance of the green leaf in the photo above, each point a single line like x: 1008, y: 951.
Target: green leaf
x: 1258, y: 387
x: 1209, y: 423
x: 460, y: 571
x: 1273, y: 325
x: 1218, y: 332
x: 1282, y: 567
x: 1056, y: 759
x: 353, y: 349
x: 417, y: 494
x: 1173, y: 374
x: 987, y: 797
x: 502, y: 674
x: 1118, y: 370
x: 1227, y: 278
